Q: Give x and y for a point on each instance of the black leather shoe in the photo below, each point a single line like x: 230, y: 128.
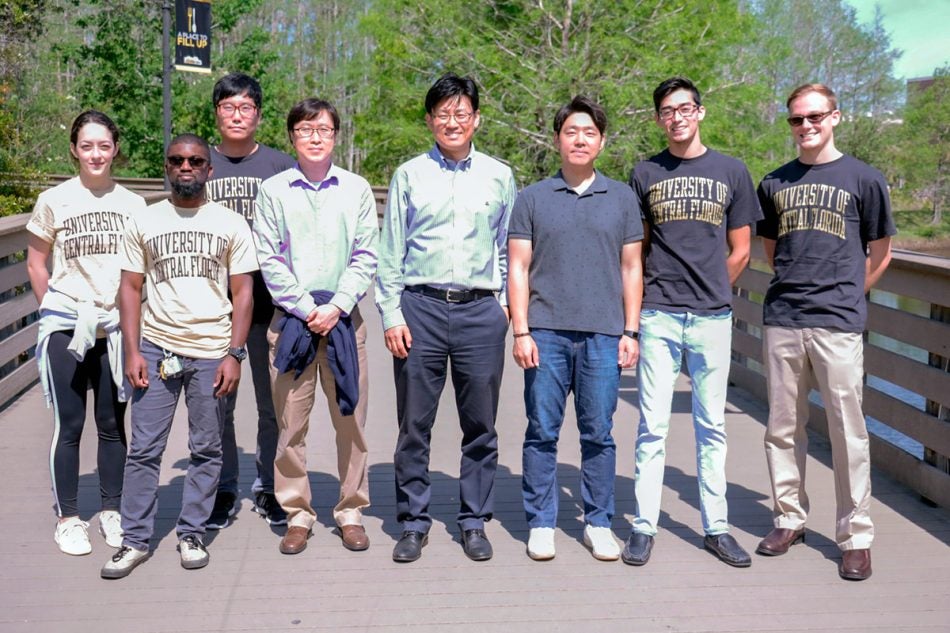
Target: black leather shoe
x: 409, y: 547
x: 637, y: 550
x: 476, y: 544
x: 728, y: 550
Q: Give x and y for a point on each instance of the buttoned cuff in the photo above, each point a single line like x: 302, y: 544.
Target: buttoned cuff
x: 344, y: 302
x: 392, y: 319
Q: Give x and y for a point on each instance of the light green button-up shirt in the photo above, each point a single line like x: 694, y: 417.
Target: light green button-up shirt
x: 316, y: 236
x: 446, y: 225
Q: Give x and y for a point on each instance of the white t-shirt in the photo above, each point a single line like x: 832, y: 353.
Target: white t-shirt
x: 187, y: 257
x: 84, y: 228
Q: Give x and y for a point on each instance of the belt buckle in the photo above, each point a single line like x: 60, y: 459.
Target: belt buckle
x: 458, y: 297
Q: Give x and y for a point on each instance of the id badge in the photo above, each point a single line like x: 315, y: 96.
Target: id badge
x: 170, y: 367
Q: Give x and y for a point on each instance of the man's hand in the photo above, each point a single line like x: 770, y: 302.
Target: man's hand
x: 628, y: 352
x: 525, y: 351
x: 398, y: 340
x: 136, y: 370
x: 323, y: 318
x: 227, y: 377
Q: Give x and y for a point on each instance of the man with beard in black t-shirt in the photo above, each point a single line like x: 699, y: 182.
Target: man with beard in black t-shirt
x: 240, y: 164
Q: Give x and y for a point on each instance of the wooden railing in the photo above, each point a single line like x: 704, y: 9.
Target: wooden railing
x: 905, y: 360
x: 906, y: 356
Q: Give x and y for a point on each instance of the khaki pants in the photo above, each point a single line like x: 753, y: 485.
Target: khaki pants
x: 293, y: 402
x: 796, y: 358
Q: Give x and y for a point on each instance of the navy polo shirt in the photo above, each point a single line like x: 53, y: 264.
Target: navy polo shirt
x: 576, y: 242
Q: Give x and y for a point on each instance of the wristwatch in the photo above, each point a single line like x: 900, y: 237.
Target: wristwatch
x: 632, y: 334
x: 239, y: 353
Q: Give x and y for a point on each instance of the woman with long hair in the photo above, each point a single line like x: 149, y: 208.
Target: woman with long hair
x: 79, y: 225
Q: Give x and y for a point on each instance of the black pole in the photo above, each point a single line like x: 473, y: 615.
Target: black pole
x: 166, y: 77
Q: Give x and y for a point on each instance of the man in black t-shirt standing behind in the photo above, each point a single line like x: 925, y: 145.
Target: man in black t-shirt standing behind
x: 698, y: 207
x: 240, y: 164
x: 826, y: 233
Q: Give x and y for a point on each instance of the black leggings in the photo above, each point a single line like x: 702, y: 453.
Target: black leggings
x: 69, y: 383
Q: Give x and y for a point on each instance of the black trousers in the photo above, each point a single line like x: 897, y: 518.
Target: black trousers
x: 471, y: 336
x: 70, y: 379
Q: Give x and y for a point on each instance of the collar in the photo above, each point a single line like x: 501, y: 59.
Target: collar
x: 447, y: 163
x: 296, y: 178
x: 598, y: 186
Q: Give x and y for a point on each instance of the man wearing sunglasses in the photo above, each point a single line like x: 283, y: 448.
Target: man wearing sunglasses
x: 316, y: 232
x: 698, y: 209
x: 188, y: 337
x: 240, y: 164
x: 826, y: 233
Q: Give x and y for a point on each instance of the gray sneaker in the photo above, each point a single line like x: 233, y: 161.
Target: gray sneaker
x: 123, y: 562
x: 193, y: 552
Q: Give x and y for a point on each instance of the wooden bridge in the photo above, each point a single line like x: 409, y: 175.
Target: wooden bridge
x: 249, y: 586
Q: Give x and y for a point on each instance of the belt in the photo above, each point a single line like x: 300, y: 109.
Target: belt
x: 449, y: 295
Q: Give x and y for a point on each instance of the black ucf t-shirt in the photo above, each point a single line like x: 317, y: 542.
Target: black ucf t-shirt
x: 822, y: 218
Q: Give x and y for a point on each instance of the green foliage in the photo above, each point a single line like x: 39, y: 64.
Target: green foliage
x: 924, y: 154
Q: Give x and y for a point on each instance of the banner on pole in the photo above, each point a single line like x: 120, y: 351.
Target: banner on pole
x: 193, y: 35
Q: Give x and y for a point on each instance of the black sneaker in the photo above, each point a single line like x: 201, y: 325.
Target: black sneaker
x: 222, y: 512
x: 265, y: 504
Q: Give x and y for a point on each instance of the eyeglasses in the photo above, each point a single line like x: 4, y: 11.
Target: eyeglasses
x: 686, y: 110
x: 246, y: 109
x: 307, y: 132
x: 196, y: 162
x: 460, y: 117
x: 814, y: 119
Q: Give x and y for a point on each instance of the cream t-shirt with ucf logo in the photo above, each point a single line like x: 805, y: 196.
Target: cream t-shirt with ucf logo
x: 187, y: 256
x: 84, y: 228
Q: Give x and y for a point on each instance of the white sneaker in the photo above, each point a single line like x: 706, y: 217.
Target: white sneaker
x: 72, y: 536
x: 123, y: 562
x: 541, y: 543
x: 193, y: 552
x: 110, y: 527
x: 602, y: 543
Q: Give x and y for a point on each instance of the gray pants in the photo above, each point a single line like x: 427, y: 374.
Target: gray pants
x: 153, y: 410
x: 258, y: 358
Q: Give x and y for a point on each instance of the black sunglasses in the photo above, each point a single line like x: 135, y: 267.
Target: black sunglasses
x: 196, y: 162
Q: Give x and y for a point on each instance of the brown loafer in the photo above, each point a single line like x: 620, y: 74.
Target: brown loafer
x: 855, y: 564
x: 295, y: 540
x: 354, y: 537
x: 779, y: 540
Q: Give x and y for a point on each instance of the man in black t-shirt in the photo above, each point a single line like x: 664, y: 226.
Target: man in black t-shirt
x: 240, y: 164
x: 826, y: 233
x: 698, y: 207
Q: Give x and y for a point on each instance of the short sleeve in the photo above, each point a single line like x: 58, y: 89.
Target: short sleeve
x: 42, y: 223
x: 521, y: 226
x: 133, y: 249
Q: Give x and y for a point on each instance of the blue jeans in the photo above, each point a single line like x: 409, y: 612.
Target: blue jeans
x: 585, y: 363
x: 706, y: 342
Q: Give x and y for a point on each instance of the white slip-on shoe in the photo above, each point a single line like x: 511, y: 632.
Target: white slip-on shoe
x: 601, y: 542
x: 72, y: 536
x: 110, y: 527
x: 541, y: 543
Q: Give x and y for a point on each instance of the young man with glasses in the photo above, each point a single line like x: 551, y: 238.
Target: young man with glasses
x: 442, y: 262
x: 826, y: 234
x: 188, y: 337
x: 574, y: 287
x: 316, y: 232
x: 240, y: 164
x: 698, y: 207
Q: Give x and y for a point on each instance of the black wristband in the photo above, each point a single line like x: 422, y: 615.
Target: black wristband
x: 632, y: 334
x: 521, y: 334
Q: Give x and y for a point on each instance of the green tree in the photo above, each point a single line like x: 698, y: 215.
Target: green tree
x: 925, y: 144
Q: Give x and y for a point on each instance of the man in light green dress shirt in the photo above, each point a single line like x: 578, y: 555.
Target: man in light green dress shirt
x: 440, y: 291
x: 316, y: 229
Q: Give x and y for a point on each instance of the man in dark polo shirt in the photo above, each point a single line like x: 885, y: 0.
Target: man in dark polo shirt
x: 827, y: 234
x: 698, y: 207
x: 240, y: 164
x: 574, y: 286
